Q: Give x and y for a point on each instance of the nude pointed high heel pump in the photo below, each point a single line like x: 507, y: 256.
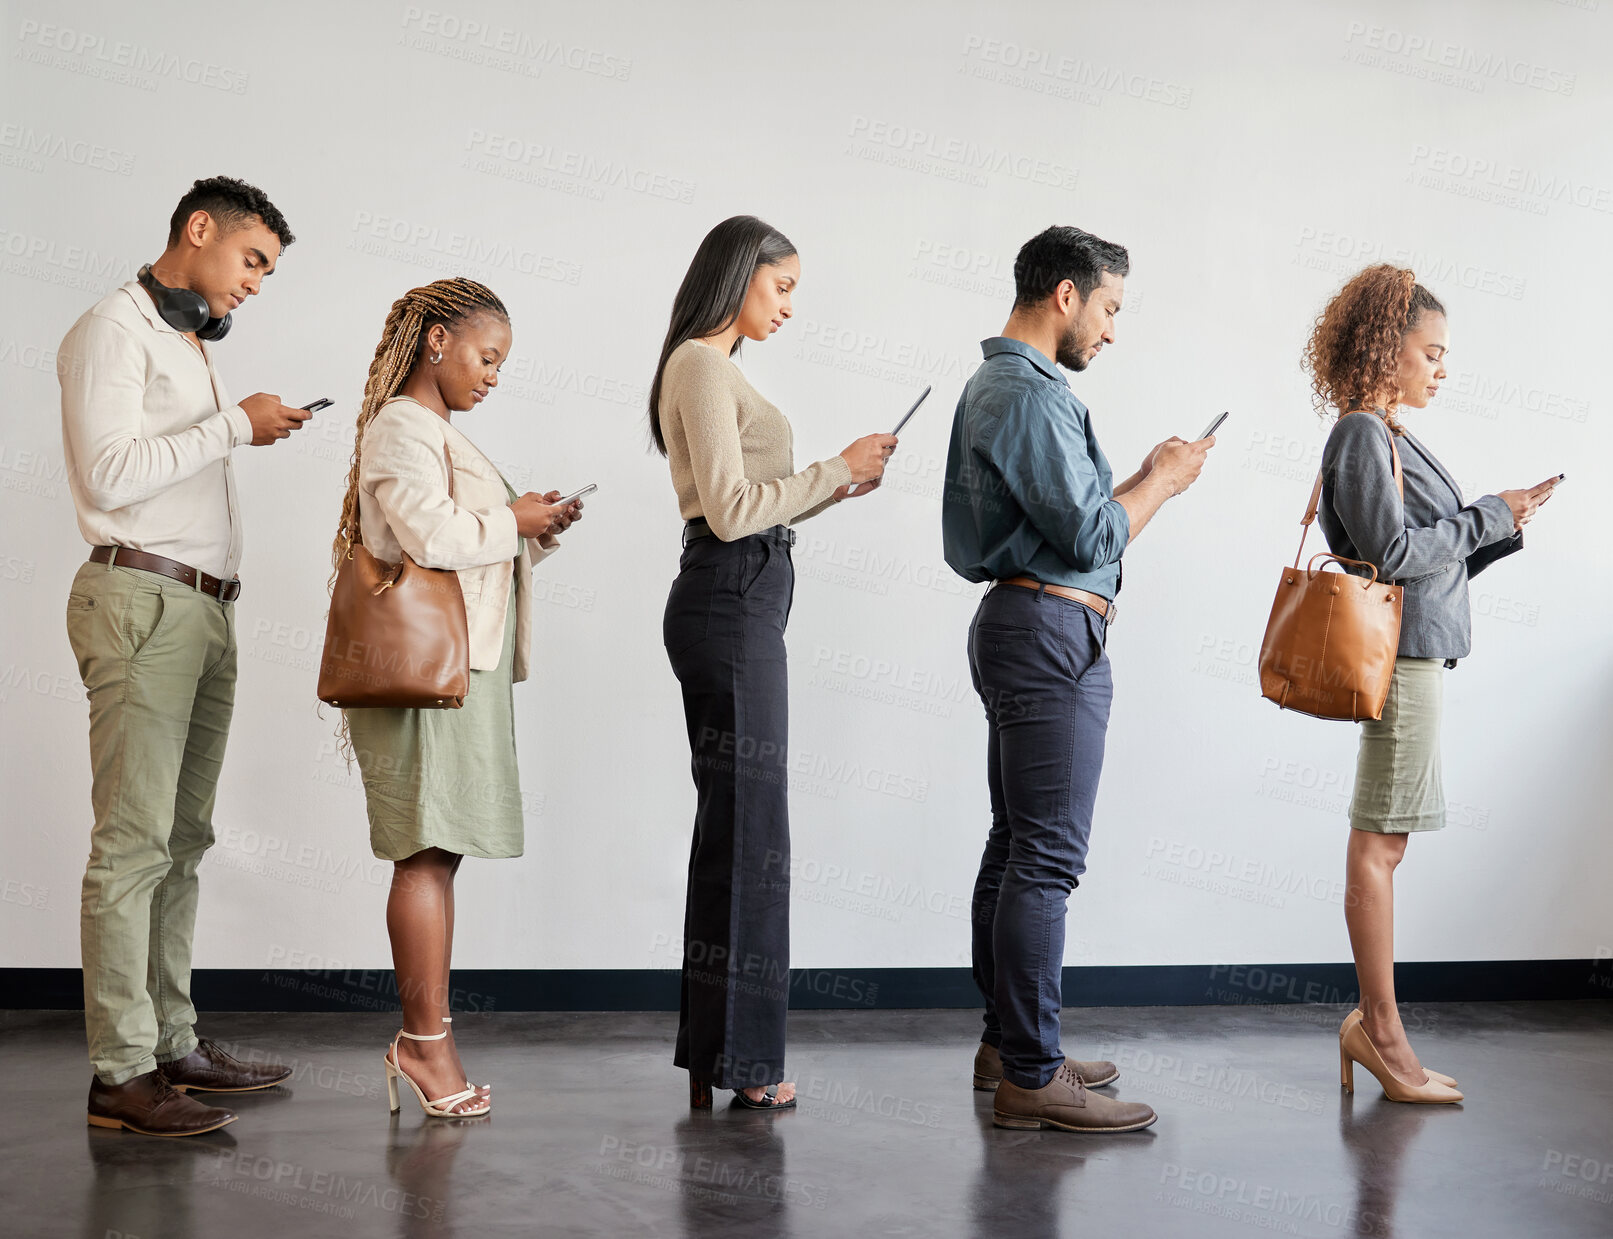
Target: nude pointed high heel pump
x: 484, y: 1090
x: 442, y: 1107
x: 1356, y: 1047
x: 1439, y: 1077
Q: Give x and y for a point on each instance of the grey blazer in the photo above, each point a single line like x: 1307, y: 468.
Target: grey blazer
x: 1430, y: 547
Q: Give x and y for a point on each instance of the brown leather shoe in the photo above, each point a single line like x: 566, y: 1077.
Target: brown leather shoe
x: 208, y: 1069
x: 989, y: 1069
x: 1064, y: 1103
x: 150, y: 1105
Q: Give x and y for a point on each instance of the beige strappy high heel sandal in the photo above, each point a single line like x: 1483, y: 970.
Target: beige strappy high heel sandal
x: 442, y: 1107
x: 484, y: 1090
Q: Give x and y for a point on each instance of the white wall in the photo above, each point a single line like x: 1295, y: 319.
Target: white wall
x: 1250, y: 154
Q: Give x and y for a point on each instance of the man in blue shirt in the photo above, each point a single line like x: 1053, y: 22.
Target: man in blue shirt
x: 1030, y: 505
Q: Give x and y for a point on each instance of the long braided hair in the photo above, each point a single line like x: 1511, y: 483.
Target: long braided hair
x: 448, y: 302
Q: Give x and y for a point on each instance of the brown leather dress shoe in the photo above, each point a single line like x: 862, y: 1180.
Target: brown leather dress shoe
x: 150, y: 1105
x: 1065, y: 1104
x: 989, y: 1069
x: 208, y: 1069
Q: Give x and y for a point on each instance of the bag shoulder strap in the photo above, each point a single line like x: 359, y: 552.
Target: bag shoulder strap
x: 1316, y: 495
x: 357, y: 538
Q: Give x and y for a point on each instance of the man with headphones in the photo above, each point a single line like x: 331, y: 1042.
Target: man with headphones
x: 148, y: 432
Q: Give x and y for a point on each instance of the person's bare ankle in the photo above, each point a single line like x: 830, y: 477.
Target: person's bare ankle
x: 786, y: 1091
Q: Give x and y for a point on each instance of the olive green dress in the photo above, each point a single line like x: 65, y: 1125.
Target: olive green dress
x: 445, y: 778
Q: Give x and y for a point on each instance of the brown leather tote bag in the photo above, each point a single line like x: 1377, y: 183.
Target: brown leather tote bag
x: 1329, y: 649
x: 397, y: 634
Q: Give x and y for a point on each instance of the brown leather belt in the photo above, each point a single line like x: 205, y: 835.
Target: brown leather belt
x: 224, y: 591
x: 1097, y: 602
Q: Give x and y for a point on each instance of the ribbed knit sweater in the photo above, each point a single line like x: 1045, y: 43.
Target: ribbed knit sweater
x: 732, y: 452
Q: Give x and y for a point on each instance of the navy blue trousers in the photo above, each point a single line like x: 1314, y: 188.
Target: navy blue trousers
x: 1039, y: 665
x: 724, y: 634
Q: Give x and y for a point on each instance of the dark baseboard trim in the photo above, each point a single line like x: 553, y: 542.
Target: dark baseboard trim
x: 644, y: 989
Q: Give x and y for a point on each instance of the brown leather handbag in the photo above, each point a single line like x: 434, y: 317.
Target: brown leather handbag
x: 397, y: 634
x: 1330, y: 645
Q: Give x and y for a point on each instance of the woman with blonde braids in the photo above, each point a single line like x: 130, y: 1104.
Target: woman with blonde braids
x: 1378, y: 349
x: 441, y: 785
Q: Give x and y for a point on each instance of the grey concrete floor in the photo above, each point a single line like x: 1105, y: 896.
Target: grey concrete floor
x: 591, y: 1134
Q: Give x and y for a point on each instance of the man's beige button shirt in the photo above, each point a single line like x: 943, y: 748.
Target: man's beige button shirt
x: 147, y: 431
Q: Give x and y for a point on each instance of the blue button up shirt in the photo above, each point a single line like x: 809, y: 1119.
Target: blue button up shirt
x: 1028, y: 491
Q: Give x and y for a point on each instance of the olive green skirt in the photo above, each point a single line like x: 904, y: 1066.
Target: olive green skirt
x: 1398, y: 784
x: 445, y: 778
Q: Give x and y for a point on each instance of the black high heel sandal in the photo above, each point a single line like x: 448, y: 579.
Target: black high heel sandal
x: 699, y: 1093
x: 769, y: 1101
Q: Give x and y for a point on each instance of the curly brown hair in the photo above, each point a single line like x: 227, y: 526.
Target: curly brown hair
x: 1353, y: 351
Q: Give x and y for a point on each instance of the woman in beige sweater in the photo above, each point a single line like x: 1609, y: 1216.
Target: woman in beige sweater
x: 732, y: 459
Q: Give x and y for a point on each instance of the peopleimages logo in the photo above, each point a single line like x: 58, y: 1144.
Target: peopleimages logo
x: 57, y: 262
x: 519, y: 158
x: 476, y: 41
x: 1042, y: 71
x: 32, y: 146
x: 388, y: 236
x: 1485, y: 395
x: 95, y: 55
x: 1337, y: 252
x: 920, y: 149
x: 1459, y: 60
x: 1489, y: 180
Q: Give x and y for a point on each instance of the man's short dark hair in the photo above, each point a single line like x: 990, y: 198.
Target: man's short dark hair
x: 231, y: 203
x: 1062, y: 253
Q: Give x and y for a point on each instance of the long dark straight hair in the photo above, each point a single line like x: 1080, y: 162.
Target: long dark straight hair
x: 713, y: 291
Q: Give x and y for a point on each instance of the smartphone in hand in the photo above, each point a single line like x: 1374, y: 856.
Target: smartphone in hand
x: 572, y: 498
x: 914, y: 409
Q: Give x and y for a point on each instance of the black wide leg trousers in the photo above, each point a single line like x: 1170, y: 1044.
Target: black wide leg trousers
x: 724, y: 634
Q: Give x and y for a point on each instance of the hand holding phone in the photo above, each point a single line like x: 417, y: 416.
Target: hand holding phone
x: 911, y: 409
x: 271, y: 420
x: 1524, y: 503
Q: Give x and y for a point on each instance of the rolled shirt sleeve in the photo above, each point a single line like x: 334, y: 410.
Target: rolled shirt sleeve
x: 1049, y: 473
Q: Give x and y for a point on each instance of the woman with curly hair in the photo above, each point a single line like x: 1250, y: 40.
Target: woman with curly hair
x: 1378, y: 349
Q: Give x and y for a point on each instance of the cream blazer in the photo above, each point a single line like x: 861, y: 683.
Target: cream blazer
x: 403, y: 505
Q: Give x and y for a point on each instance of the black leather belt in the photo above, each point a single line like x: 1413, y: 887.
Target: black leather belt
x: 697, y: 528
x: 123, y: 557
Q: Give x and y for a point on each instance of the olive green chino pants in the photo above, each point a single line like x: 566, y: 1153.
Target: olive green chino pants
x: 158, y: 663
